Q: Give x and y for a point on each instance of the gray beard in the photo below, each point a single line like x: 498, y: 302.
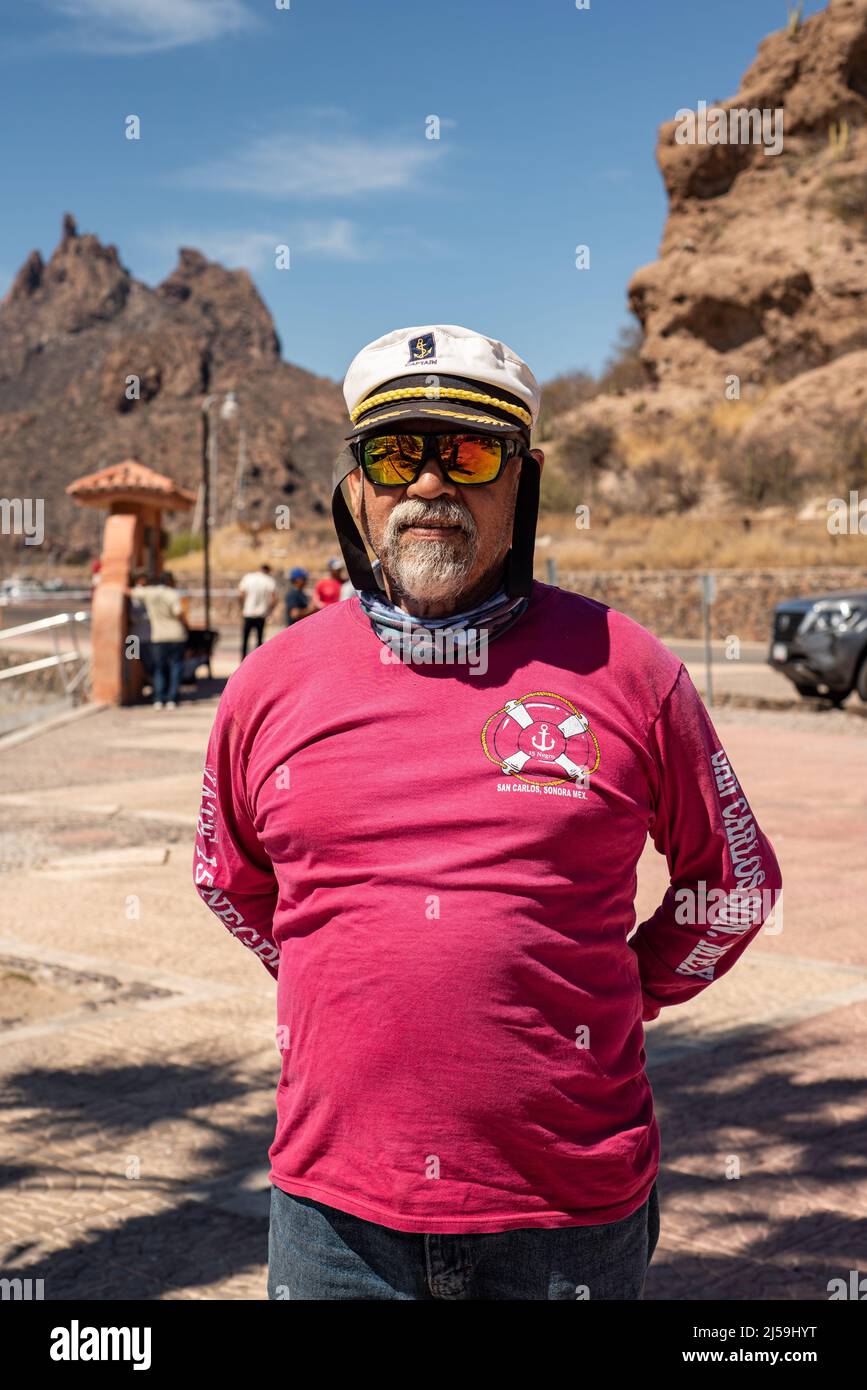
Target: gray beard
x: 429, y: 570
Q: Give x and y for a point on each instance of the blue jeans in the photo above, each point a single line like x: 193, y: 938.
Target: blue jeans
x: 168, y: 660
x: 317, y: 1252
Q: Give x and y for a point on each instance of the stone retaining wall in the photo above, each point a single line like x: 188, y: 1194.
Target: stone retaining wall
x: 668, y: 602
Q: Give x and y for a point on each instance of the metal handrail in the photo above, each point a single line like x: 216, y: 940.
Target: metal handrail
x: 60, y: 659
x: 39, y: 624
x: 42, y: 664
x: 40, y: 596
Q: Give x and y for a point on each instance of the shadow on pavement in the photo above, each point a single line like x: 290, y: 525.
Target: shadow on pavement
x: 191, y: 1241
x: 798, y: 1141
x: 782, y: 1229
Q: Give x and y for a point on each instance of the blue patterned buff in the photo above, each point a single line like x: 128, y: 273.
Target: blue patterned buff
x: 493, y: 617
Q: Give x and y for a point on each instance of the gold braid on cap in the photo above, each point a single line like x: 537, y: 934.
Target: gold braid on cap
x: 406, y: 393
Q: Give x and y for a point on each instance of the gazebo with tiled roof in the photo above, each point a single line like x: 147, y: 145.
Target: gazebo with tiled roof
x: 130, y: 482
x: 135, y: 497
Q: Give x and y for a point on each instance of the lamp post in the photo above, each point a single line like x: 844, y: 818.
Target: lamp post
x: 228, y: 410
x: 206, y: 505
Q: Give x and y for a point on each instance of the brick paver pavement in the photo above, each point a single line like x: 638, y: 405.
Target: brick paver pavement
x: 139, y: 1063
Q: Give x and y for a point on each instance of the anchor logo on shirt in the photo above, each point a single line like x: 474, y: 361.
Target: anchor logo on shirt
x: 542, y: 737
x: 542, y: 742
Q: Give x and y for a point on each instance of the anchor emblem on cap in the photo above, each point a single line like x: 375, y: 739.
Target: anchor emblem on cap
x: 422, y: 347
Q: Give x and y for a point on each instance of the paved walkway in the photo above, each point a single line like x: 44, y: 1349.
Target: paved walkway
x: 139, y: 1064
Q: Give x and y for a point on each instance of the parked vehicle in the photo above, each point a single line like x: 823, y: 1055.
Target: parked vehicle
x: 821, y: 644
x: 21, y: 589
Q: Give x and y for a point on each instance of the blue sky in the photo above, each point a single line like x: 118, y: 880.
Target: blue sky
x: 306, y: 127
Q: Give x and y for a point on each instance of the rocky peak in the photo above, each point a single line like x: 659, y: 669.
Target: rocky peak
x: 96, y: 366
x: 82, y: 283
x: 28, y: 279
x: 227, y: 305
x: 763, y: 264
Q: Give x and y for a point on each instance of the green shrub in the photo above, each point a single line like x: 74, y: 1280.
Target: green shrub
x: 846, y: 458
x: 763, y: 475
x: 585, y: 452
x: 183, y: 543
x: 624, y: 369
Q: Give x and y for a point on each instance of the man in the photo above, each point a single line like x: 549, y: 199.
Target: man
x: 258, y: 595
x: 165, y: 611
x: 298, y: 603
x: 439, y: 869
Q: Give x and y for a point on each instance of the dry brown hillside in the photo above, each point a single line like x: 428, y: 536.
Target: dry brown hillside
x: 753, y: 402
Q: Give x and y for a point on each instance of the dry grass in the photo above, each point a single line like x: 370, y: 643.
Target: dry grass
x: 628, y: 542
x: 694, y: 543
x: 232, y: 551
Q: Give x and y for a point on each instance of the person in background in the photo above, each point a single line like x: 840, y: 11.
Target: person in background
x: 327, y: 590
x: 337, y: 570
x: 258, y: 594
x: 298, y: 602
x: 140, y: 624
x: 168, y: 638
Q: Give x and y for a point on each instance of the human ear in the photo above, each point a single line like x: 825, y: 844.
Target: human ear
x: 355, y: 483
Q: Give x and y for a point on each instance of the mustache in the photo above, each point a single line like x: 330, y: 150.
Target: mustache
x: 413, y: 512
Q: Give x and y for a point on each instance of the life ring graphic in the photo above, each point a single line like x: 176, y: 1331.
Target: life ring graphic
x: 541, y: 737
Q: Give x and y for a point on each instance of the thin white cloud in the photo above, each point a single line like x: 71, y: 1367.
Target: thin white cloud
x: 145, y: 26
x: 336, y: 238
x: 314, y: 166
x: 331, y: 238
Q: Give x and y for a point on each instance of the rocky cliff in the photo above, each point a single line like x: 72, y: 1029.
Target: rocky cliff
x: 763, y: 264
x: 74, y: 329
x: 759, y: 294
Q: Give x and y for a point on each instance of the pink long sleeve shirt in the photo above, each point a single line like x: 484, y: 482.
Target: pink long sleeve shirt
x: 438, y: 866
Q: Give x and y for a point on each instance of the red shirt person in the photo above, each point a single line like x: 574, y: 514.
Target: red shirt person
x: 423, y: 810
x: 327, y: 591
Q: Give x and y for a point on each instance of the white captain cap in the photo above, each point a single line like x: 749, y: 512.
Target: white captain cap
x: 444, y: 373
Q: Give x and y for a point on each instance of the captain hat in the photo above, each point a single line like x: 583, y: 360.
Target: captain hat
x: 442, y: 373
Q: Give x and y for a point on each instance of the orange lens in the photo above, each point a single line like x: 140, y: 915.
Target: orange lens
x: 474, y: 458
